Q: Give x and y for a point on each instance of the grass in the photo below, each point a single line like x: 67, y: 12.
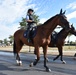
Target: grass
x: 31, y: 48
x: 67, y: 50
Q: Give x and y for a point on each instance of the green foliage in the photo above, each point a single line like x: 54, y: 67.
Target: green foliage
x: 6, y: 41
x: 11, y: 39
x: 23, y: 23
x: 36, y: 18
x: 1, y: 41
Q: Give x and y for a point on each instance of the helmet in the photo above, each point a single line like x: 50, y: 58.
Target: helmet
x: 30, y: 10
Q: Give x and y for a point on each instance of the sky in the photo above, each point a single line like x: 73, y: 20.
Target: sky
x: 12, y: 11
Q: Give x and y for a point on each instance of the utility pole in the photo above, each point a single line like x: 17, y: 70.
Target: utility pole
x: 29, y: 49
x: 75, y: 44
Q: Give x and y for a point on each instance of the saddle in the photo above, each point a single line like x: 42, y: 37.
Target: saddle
x: 32, y: 33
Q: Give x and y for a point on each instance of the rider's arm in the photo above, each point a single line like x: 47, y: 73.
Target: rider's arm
x: 27, y: 19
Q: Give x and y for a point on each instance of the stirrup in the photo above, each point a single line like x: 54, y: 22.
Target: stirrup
x: 28, y: 40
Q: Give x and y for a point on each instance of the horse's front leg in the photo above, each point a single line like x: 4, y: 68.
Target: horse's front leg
x: 56, y: 57
x: 38, y: 56
x: 59, y: 50
x: 45, y: 58
x: 61, y: 54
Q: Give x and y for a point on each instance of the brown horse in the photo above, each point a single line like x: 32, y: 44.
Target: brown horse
x: 42, y: 38
x: 58, y: 41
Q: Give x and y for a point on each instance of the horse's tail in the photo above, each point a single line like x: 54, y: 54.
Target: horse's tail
x: 14, y: 48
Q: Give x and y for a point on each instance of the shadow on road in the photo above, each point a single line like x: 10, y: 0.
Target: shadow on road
x: 2, y: 74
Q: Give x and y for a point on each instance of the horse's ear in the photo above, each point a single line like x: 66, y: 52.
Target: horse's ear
x: 61, y: 11
x: 64, y: 12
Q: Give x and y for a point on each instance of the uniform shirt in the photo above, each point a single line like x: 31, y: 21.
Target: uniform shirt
x: 30, y: 17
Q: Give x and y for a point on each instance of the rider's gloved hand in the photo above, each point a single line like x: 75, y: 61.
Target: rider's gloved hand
x: 34, y: 22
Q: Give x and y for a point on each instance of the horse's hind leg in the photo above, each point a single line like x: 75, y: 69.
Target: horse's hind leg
x: 17, y: 50
x: 18, y: 60
x: 35, y: 54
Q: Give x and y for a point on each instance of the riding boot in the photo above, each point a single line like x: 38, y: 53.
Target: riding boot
x: 28, y: 35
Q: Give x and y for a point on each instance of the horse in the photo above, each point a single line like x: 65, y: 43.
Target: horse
x: 58, y: 41
x: 41, y: 39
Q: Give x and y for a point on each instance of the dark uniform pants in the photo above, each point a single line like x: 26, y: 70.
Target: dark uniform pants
x: 28, y: 31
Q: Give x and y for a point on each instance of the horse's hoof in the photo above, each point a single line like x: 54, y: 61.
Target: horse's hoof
x: 31, y: 65
x: 48, y: 70
x: 19, y: 64
x: 63, y: 62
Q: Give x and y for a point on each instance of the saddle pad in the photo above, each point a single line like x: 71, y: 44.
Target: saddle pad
x: 32, y: 32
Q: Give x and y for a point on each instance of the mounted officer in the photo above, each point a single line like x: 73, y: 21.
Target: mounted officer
x: 30, y: 22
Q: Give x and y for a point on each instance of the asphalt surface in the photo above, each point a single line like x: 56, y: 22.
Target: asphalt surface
x: 8, y: 65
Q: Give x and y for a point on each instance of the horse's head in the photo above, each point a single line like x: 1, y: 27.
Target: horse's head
x: 62, y: 21
x: 72, y: 30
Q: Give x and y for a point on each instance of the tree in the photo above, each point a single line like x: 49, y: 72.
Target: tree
x: 11, y: 39
x: 36, y: 18
x: 1, y: 41
x: 23, y: 23
x: 5, y: 41
x: 69, y: 39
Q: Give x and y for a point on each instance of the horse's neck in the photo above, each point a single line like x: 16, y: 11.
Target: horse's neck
x: 50, y: 26
x: 63, y: 34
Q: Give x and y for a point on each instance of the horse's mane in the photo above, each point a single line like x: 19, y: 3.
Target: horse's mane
x: 49, y: 20
x: 61, y: 31
x: 45, y: 23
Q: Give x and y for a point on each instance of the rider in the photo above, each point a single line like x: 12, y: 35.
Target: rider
x: 30, y: 22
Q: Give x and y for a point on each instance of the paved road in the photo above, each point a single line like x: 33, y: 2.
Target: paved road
x: 8, y: 65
